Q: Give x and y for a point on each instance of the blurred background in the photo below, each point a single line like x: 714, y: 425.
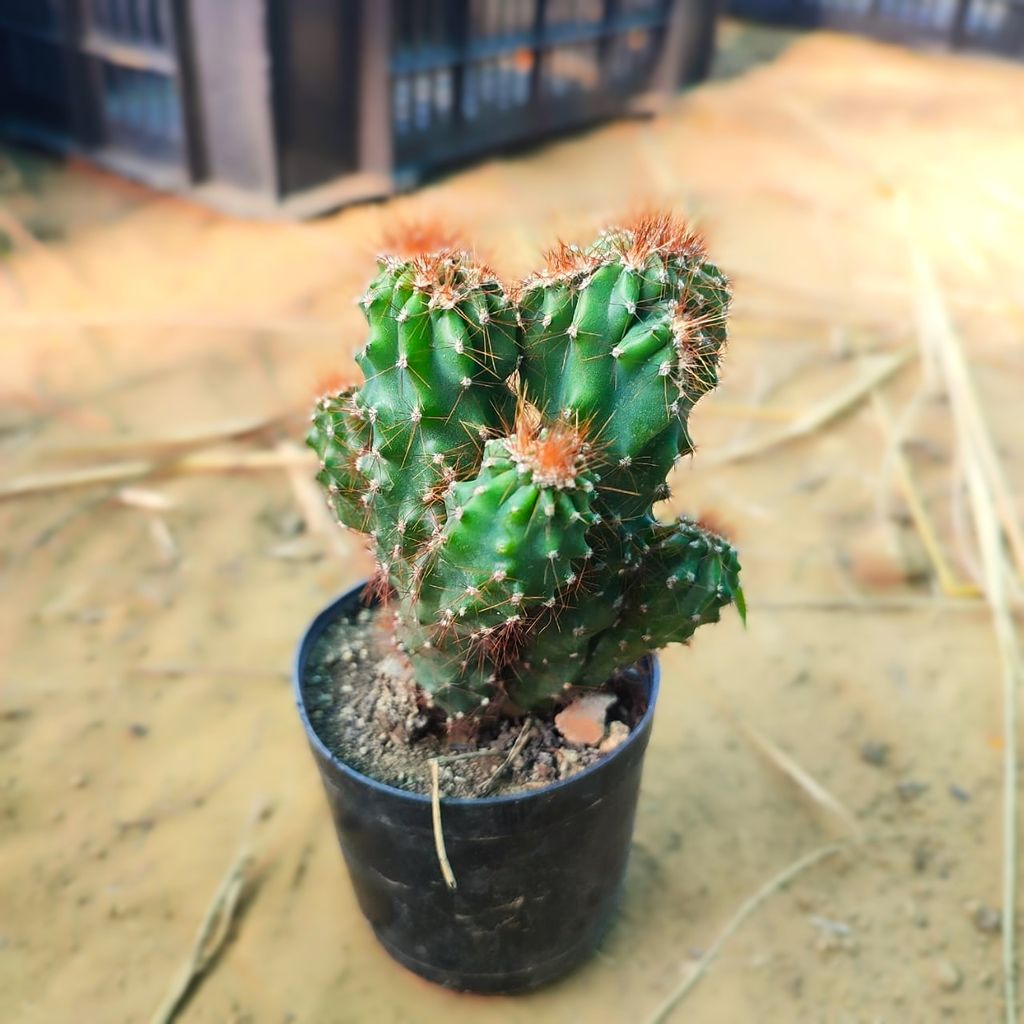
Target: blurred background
x: 191, y: 195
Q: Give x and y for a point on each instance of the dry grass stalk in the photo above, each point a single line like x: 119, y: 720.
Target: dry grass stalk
x: 310, y: 499
x: 998, y: 533
x: 84, y: 320
x: 951, y: 586
x: 145, y: 499
x: 746, y: 909
x: 65, y: 479
x: 938, y: 337
x: 212, y: 935
x: 801, y: 777
x: 524, y: 735
x: 751, y: 412
x: 435, y: 816
x: 872, y: 606
x: 192, y: 437
x: 223, y: 461
x: 166, y: 546
x: 878, y: 370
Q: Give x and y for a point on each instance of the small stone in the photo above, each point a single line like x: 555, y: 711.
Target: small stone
x: 139, y: 730
x: 947, y: 975
x: 618, y: 733
x: 987, y: 919
x: 582, y: 722
x: 959, y: 793
x: 568, y: 762
x: 910, y: 789
x: 291, y: 524
x: 875, y: 753
x: 79, y: 781
x: 922, y: 856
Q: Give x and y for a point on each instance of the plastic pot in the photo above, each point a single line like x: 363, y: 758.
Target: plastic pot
x: 538, y: 873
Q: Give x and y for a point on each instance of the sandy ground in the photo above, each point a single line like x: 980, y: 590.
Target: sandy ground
x: 146, y: 727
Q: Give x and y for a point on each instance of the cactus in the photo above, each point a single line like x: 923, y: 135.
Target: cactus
x: 506, y: 451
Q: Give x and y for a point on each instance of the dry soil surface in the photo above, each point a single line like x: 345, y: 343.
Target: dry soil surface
x: 146, y: 726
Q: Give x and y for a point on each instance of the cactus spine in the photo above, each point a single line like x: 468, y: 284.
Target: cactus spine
x: 505, y: 453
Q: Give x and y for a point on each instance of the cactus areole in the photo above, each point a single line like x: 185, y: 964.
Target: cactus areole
x: 506, y: 450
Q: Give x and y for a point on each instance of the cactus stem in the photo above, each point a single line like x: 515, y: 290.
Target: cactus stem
x: 488, y: 548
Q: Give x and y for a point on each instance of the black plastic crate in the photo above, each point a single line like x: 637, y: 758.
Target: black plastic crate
x: 468, y: 77
x: 294, y: 107
x: 996, y: 26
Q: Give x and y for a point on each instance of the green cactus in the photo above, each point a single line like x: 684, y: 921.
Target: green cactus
x: 506, y: 451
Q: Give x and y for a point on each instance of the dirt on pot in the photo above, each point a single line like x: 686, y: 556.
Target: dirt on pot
x: 364, y: 705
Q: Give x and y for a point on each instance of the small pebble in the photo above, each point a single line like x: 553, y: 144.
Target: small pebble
x: 947, y: 975
x: 910, y: 789
x: 959, y: 793
x: 922, y: 856
x: 79, y: 781
x: 291, y: 525
x: 618, y: 733
x: 874, y: 753
x: 987, y: 919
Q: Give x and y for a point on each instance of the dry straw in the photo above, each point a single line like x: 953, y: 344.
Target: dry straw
x: 998, y: 534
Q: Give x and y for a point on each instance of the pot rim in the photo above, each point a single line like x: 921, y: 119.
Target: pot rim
x: 312, y: 633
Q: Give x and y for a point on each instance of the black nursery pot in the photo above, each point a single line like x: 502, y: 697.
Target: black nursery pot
x: 538, y: 873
